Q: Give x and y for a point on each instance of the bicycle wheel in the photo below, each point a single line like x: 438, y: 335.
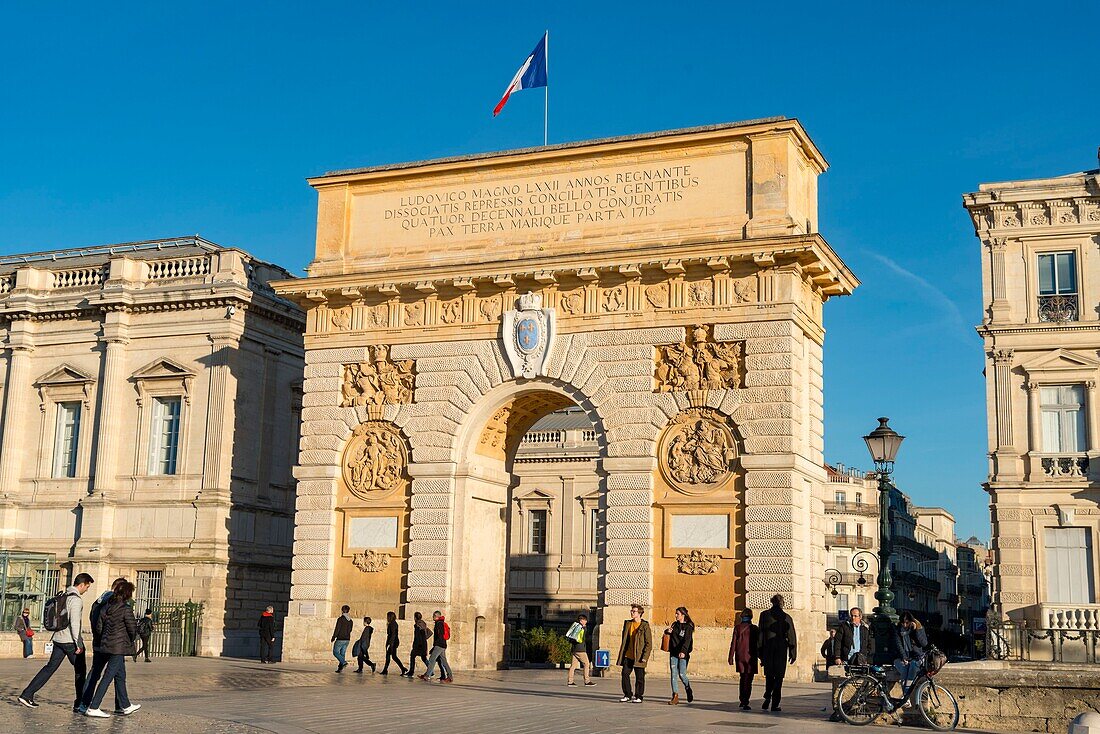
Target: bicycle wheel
x: 938, y: 706
x: 860, y: 700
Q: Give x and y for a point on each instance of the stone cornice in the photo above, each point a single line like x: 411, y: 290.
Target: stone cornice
x: 1051, y: 215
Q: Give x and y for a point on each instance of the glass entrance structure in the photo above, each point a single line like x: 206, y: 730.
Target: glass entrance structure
x: 27, y: 580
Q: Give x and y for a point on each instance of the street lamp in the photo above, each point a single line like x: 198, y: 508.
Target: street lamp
x: 883, y: 443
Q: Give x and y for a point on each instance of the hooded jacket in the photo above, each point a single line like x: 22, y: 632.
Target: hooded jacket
x: 438, y: 639
x: 266, y: 625
x: 342, y: 630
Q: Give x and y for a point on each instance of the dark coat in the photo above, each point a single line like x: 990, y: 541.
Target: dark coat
x: 266, y: 625
x: 745, y: 648
x: 392, y: 639
x: 438, y: 639
x: 637, y: 648
x: 830, y: 650
x: 778, y: 642
x: 364, y: 640
x: 119, y: 628
x: 420, y: 639
x: 342, y: 630
x: 846, y: 636
x: 911, y: 646
x: 680, y: 640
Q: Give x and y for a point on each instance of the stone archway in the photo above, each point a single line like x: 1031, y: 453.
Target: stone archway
x: 673, y: 287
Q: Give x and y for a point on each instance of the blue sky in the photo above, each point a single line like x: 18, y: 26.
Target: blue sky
x: 136, y: 121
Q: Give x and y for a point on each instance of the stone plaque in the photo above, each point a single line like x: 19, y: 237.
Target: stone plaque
x: 372, y: 532
x: 700, y: 531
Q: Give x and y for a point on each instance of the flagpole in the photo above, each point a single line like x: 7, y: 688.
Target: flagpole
x: 546, y: 96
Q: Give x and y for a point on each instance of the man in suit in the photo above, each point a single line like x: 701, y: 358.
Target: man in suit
x: 778, y: 646
x: 856, y: 644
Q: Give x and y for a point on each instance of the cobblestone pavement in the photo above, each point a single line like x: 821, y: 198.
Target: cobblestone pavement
x: 228, y: 696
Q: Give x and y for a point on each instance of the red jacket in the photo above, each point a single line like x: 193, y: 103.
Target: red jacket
x: 745, y: 647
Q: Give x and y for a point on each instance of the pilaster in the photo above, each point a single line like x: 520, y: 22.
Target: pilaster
x: 114, y: 340
x: 16, y: 388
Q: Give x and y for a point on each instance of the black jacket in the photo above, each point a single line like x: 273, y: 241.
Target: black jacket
x: 778, y: 641
x: 119, y: 628
x: 420, y: 639
x: 266, y: 625
x: 392, y: 640
x: 438, y: 640
x: 680, y: 640
x: 364, y: 639
x: 830, y: 650
x: 846, y: 637
x: 342, y: 631
x: 911, y: 646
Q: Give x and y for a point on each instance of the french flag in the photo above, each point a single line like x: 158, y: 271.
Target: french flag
x: 531, y: 74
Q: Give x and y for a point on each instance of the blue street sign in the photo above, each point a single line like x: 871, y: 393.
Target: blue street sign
x: 603, y: 659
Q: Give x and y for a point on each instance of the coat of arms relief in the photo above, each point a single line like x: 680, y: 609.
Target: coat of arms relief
x: 528, y: 332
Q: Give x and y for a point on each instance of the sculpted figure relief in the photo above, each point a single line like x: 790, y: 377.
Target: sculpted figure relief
x: 699, y: 363
x: 370, y: 561
x: 381, y: 381
x: 697, y: 451
x: 697, y: 563
x: 374, y: 460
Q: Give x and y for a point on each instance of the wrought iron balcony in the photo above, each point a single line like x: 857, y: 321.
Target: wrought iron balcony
x: 849, y: 541
x: 852, y: 508
x: 1058, y: 309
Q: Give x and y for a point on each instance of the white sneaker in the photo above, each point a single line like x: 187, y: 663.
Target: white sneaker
x: 97, y: 714
x: 625, y: 699
x: 635, y: 700
x: 130, y: 709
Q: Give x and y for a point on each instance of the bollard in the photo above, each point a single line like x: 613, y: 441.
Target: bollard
x: 1086, y: 723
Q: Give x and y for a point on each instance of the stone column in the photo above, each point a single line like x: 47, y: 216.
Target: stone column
x: 1035, y: 429
x: 16, y: 388
x: 999, y: 307
x: 217, y: 415
x: 106, y: 453
x: 1002, y: 371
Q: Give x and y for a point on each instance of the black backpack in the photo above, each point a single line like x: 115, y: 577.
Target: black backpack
x: 55, y: 614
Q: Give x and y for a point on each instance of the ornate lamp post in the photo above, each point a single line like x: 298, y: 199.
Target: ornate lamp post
x: 883, y: 443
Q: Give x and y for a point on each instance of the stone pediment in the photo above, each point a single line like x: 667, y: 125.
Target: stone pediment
x: 162, y: 368
x: 1061, y: 361
x: 535, y: 499
x: 64, y: 375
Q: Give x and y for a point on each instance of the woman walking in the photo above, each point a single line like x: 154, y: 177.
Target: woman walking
x: 26, y: 632
x: 120, y: 632
x: 679, y: 652
x: 420, y: 643
x: 744, y: 650
x: 392, y: 643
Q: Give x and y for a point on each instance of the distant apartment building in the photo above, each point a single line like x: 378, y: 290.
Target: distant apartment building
x: 1041, y: 337
x: 973, y: 559
x: 851, y: 540
x: 149, y: 425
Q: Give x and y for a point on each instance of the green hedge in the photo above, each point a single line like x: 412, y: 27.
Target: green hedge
x: 544, y: 645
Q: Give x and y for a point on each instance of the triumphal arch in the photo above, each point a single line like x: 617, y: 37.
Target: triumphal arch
x: 670, y: 285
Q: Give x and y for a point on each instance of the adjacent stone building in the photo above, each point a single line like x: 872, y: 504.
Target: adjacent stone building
x: 669, y: 285
x: 1041, y: 336
x: 150, y: 408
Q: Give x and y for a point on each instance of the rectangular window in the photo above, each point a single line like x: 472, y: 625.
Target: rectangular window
x: 842, y: 564
x: 842, y: 602
x: 147, y: 591
x: 1063, y: 418
x: 859, y: 530
x: 840, y: 497
x: 66, y: 439
x: 1058, y: 287
x: 165, y: 435
x: 1069, y: 566
x: 860, y: 602
x: 536, y: 531
x: 859, y: 498
x: 593, y: 530
x: 841, y: 528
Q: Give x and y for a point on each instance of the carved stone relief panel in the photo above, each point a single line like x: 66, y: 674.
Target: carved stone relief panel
x: 699, y: 363
x: 697, y: 451
x: 697, y: 563
x: 375, y: 460
x: 380, y: 381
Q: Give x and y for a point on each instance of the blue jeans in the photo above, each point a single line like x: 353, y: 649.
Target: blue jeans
x: 28, y: 646
x: 908, y: 672
x: 679, y: 669
x: 115, y: 672
x: 339, y: 651
x: 61, y: 651
x: 438, y: 654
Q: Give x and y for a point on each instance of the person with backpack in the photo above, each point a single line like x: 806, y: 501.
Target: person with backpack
x: 392, y: 643
x: 341, y: 638
x: 63, y: 615
x: 118, y: 633
x: 362, y: 646
x: 266, y: 627
x: 440, y: 635
x: 25, y: 631
x: 420, y: 644
x: 679, y: 653
x: 145, y: 633
x: 576, y: 636
x: 99, y: 657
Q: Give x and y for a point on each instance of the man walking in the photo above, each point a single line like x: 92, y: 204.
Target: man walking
x: 778, y: 646
x: 145, y: 633
x: 67, y: 643
x: 634, y: 653
x: 441, y: 633
x: 341, y: 638
x: 576, y: 635
x: 266, y: 627
x: 363, y: 645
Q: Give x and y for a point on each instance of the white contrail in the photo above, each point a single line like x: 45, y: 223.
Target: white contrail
x: 952, y: 312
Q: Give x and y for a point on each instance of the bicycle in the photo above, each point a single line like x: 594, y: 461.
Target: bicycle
x: 864, y: 695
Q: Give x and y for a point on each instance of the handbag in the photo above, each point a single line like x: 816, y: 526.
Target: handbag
x: 666, y: 639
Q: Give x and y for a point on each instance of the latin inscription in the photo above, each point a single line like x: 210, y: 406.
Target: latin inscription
x: 617, y: 195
